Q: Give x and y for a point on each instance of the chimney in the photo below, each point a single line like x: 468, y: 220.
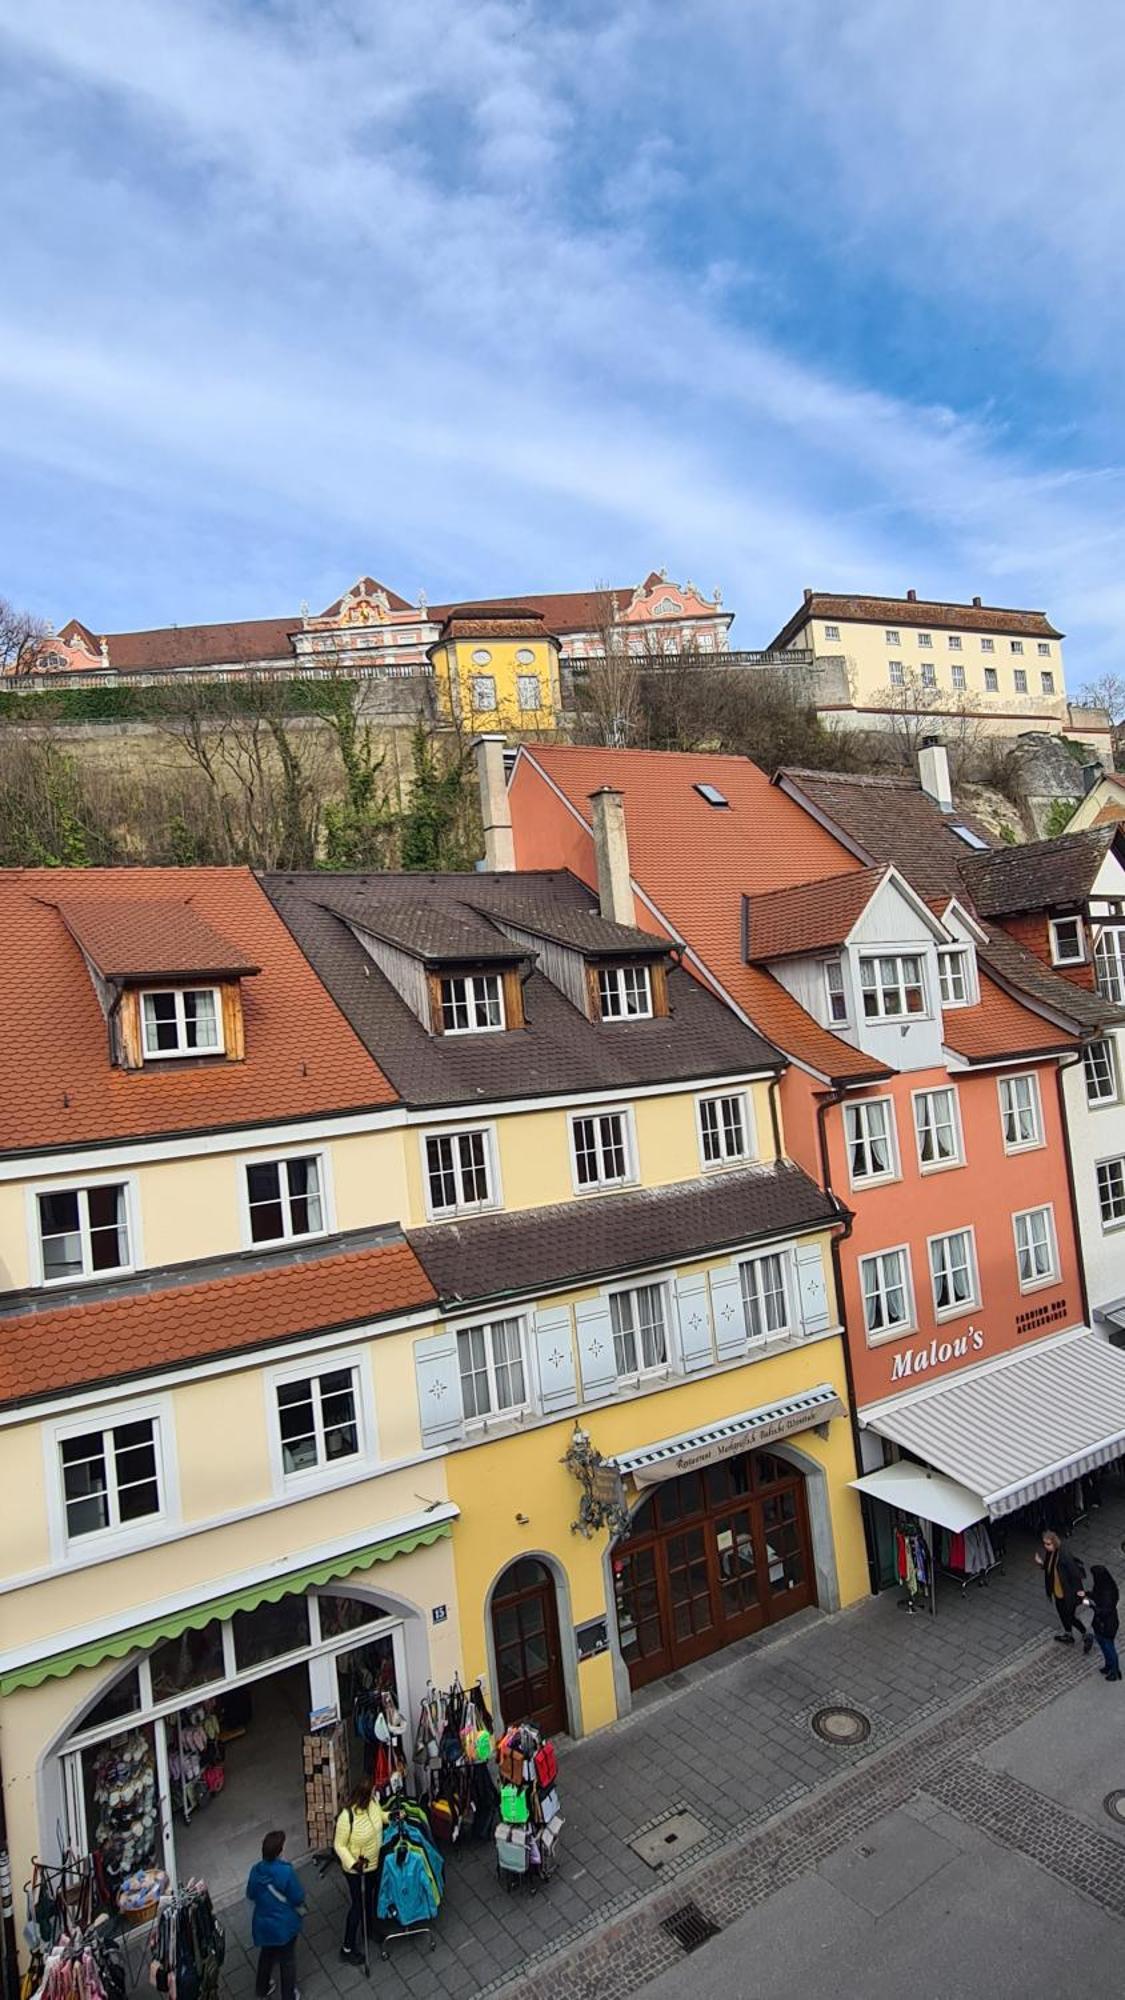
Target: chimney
x: 495, y: 811
x: 912, y: 597
x: 976, y: 603
x: 933, y: 774
x: 808, y: 595
x: 611, y: 852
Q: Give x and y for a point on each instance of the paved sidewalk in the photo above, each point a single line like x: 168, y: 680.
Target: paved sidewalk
x: 730, y: 1742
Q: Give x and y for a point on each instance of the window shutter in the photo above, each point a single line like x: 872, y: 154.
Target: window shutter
x: 439, y: 1388
x: 811, y: 1287
x: 595, y: 1347
x: 554, y: 1354
x: 729, y: 1313
x: 694, y: 1314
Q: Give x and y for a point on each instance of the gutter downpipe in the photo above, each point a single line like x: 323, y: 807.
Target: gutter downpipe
x: 1065, y: 1063
x: 825, y: 1101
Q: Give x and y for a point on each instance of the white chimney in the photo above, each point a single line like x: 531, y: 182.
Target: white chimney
x: 611, y: 852
x: 933, y: 775
x: 495, y: 810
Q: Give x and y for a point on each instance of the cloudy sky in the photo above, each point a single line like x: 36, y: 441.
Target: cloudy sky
x: 490, y: 295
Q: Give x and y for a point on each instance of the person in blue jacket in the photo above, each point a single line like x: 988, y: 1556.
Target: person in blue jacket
x: 274, y: 1888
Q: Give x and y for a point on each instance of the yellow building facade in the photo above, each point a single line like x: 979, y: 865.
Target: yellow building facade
x: 497, y: 669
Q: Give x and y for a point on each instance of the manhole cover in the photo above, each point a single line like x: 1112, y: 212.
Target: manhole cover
x: 670, y: 1837
x: 843, y: 1726
x: 1114, y: 1803
x: 689, y: 1927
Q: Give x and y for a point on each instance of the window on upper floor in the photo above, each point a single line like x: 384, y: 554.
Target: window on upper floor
x: 624, y: 992
x: 1099, y: 1060
x: 887, y: 1304
x: 954, y: 975
x: 493, y: 1374
x: 724, y: 1129
x: 182, y: 1021
x: 318, y: 1420
x: 892, y: 638
x: 1109, y: 965
x: 870, y: 1131
x: 1068, y: 941
x: 764, y: 1299
x: 897, y: 673
x: 482, y: 689
x: 640, y: 1330
x: 1019, y: 680
x: 482, y: 657
x: 1036, y: 1253
x: 957, y: 674
x: 602, y: 1146
x: 837, y: 991
x: 925, y: 640
x: 953, y: 1273
x: 84, y: 1232
x: 1111, y: 1192
x: 1044, y: 649
x: 1020, y: 1114
x: 953, y: 642
x: 459, y: 1172
x: 988, y: 646
x: 892, y: 985
x: 525, y: 656
x: 472, y: 1003
x: 937, y: 1129
x: 991, y: 681
x: 1016, y: 645
x: 284, y: 1199
x: 527, y: 692
x: 1047, y: 682
x: 111, y: 1478
x: 929, y: 676
x: 832, y: 631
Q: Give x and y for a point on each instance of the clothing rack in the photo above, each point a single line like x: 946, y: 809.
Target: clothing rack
x: 82, y: 1964
x: 60, y: 1899
x: 914, y: 1562
x: 187, y: 1944
x: 411, y: 1879
x: 971, y: 1555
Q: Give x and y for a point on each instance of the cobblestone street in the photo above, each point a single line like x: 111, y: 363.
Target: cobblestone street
x: 730, y: 1742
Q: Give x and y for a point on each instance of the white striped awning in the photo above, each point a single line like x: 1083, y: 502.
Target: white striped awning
x: 1020, y: 1426
x: 745, y: 1432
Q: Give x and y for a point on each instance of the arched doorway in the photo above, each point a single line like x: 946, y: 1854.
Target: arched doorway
x: 525, y: 1632
x: 711, y: 1556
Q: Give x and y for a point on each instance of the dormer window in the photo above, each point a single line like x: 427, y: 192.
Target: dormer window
x: 1068, y: 944
x: 183, y: 1021
x: 837, y: 992
x: 472, y: 1003
x: 625, y: 992
x: 892, y: 986
x: 954, y: 976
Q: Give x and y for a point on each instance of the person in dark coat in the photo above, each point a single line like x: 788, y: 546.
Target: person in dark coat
x: 1063, y: 1577
x: 1102, y: 1599
x: 275, y: 1890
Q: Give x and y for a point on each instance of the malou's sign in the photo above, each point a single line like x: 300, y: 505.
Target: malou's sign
x: 910, y: 1361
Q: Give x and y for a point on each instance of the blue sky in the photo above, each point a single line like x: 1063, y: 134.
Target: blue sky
x: 491, y: 295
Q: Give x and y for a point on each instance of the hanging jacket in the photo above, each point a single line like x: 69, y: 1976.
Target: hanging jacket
x: 275, y: 1890
x: 359, y: 1831
x: 406, y: 1887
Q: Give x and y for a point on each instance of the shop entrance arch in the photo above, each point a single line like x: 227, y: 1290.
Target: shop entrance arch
x: 711, y: 1556
x: 530, y: 1686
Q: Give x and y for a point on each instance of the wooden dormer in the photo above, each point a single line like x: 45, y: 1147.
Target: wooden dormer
x: 169, y: 986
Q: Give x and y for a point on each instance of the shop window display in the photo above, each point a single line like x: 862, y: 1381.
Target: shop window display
x: 121, y: 1803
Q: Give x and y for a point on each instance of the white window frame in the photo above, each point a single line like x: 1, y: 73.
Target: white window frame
x: 628, y: 1140
x: 480, y: 702
x: 957, y: 677
x: 1113, y: 1094
x: 615, y: 978
x: 491, y: 1166
x: 79, y: 1185
x: 892, y: 638
x: 156, y: 1410
x: 832, y: 632
x: 877, y: 1336
x: 1043, y: 649
x: 1060, y: 957
x: 510, y: 1412
x: 644, y: 1371
x: 1003, y: 1084
x: 964, y: 952
x: 877, y: 958
x: 897, y: 673
x: 788, y: 1329
x: 1111, y: 963
x: 1110, y: 1223
x: 749, y: 1134
x: 836, y: 965
x: 525, y: 684
x: 1019, y: 680
x: 328, y: 1473
x: 177, y: 1054
x: 953, y: 641
x: 991, y: 680
x: 861, y: 1106
x: 988, y: 645
x: 471, y: 980
x: 929, y: 674
x: 926, y: 640
x: 1016, y: 646
x: 1050, y: 1277
x: 960, y: 1307
x: 958, y: 1160
x: 1047, y: 682
x: 280, y: 1158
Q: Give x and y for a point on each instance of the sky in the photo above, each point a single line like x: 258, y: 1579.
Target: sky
x: 483, y: 296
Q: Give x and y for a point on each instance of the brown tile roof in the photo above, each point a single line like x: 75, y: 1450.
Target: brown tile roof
x: 166, y: 1325
x: 901, y: 611
x: 371, y: 587
x: 1014, y: 965
x: 789, y: 922
x: 584, y: 931
x: 430, y: 931
x: 1040, y: 875
x: 574, y: 1242
x: 151, y: 940
x: 559, y: 1046
x: 499, y: 621
x: 57, y: 1086
x: 247, y: 642
x: 566, y: 611
x: 696, y: 863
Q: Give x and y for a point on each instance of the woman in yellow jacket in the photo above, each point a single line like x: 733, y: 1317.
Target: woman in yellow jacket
x: 358, y: 1843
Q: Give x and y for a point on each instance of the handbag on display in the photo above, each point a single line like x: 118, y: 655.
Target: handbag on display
x: 513, y: 1805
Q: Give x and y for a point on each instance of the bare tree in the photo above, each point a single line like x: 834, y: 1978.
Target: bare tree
x: 265, y: 771
x: 1107, y: 692
x: 917, y: 711
x: 23, y: 640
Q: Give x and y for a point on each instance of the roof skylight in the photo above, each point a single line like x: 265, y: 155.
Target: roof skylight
x: 970, y: 838
x: 712, y: 794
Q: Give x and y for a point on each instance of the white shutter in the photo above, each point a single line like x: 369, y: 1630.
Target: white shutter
x: 728, y: 1312
x: 595, y: 1347
x: 554, y: 1355
x: 812, y: 1288
x: 694, y: 1314
x: 439, y: 1388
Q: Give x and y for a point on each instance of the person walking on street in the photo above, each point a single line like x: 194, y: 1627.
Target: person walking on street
x: 274, y: 1888
x: 359, y: 1843
x: 1102, y: 1598
x: 1063, y: 1577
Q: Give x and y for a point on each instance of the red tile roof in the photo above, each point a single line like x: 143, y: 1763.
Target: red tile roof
x: 999, y: 1026
x: 787, y: 923
x: 57, y: 1086
x: 899, y: 611
x: 46, y: 1352
x: 150, y: 940
x: 245, y: 642
x: 570, y: 610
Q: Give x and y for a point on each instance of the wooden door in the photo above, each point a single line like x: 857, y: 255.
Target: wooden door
x: 525, y: 1630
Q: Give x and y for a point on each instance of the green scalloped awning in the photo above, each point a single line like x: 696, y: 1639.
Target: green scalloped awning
x: 139, y: 1638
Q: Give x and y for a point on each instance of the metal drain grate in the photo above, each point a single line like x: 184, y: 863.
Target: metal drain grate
x: 841, y: 1726
x: 689, y: 1927
x: 1114, y: 1803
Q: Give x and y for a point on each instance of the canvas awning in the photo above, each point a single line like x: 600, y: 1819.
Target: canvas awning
x: 1017, y: 1427
x: 928, y: 1495
x: 745, y: 1432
